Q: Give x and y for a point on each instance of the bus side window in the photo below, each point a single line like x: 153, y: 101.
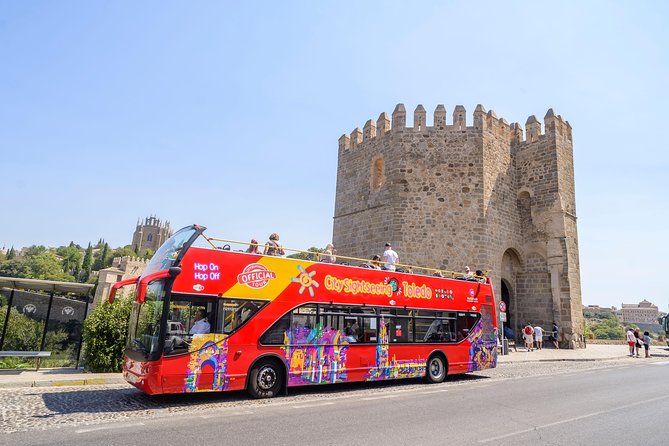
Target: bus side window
x: 367, y: 324
x: 304, y: 317
x: 465, y: 322
x: 277, y: 332
x: 401, y: 329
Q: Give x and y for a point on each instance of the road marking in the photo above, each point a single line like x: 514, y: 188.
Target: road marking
x: 371, y: 398
x: 302, y: 406
x: 661, y: 363
x: 100, y: 428
x: 581, y: 417
x: 434, y: 391
x: 227, y: 414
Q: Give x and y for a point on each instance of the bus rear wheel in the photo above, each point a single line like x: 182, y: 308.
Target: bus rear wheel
x: 265, y: 379
x: 436, y: 369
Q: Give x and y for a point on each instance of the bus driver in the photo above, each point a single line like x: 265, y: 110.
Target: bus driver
x: 201, y: 325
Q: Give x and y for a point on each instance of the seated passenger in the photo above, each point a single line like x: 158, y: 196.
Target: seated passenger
x: 201, y: 325
x: 374, y: 263
x: 272, y: 247
x: 253, y: 247
x: 350, y: 333
x: 434, y: 330
x: 328, y: 255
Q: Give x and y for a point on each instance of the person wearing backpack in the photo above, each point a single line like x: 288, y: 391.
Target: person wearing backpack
x: 528, y: 335
x: 272, y: 247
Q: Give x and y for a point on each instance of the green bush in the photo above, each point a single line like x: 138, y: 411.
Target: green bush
x: 25, y: 334
x: 105, y: 333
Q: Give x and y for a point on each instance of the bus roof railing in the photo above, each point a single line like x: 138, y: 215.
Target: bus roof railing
x: 407, y: 268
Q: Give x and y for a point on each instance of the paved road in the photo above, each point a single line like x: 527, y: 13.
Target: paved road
x: 613, y: 402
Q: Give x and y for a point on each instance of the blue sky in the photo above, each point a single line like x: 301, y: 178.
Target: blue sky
x: 227, y: 114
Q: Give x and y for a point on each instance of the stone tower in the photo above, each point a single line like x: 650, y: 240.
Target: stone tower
x: 150, y: 235
x: 122, y: 268
x: 484, y: 195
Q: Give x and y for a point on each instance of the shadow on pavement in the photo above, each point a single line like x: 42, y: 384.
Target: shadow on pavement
x: 133, y: 400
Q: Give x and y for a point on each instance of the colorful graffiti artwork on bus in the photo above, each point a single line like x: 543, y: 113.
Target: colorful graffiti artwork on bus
x: 387, y: 368
x: 483, y: 340
x: 209, y: 350
x: 315, y: 355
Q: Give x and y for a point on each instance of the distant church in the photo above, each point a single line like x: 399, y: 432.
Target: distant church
x: 150, y: 235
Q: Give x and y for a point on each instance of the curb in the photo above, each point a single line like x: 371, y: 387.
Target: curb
x: 610, y: 358
x: 63, y: 383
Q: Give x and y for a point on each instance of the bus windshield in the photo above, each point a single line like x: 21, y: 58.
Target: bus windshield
x: 169, y: 251
x: 144, y: 329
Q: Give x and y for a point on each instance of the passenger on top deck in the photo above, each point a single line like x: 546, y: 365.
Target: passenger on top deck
x: 373, y: 263
x: 328, y: 256
x: 253, y: 247
x: 390, y: 258
x: 272, y: 247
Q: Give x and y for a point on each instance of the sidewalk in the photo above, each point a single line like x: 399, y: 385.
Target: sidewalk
x: 56, y: 377
x: 593, y: 352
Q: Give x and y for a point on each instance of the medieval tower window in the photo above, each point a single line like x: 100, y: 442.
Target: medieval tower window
x: 149, y: 238
x: 377, y: 174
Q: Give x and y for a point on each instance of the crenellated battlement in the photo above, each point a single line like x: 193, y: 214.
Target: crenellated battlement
x: 118, y: 261
x: 469, y: 188
x: 554, y: 125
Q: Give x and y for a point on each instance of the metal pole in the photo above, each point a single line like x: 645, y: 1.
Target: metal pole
x: 81, y: 335
x: 46, y: 322
x: 4, y: 327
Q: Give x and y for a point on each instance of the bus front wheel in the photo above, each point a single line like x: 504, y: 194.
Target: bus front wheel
x: 266, y: 379
x: 436, y: 369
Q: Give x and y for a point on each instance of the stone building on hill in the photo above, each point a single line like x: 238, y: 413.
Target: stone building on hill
x: 644, y: 312
x: 122, y: 268
x: 487, y: 195
x: 150, y: 235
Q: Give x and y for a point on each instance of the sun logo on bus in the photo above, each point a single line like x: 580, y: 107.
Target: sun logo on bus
x: 305, y: 280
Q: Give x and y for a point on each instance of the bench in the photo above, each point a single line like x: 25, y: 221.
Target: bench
x: 36, y: 355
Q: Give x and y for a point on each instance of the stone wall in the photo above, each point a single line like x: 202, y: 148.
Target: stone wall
x: 484, y: 195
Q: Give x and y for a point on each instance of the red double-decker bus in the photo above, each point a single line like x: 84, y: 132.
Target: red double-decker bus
x: 212, y: 319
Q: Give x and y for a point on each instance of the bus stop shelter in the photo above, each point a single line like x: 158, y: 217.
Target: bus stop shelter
x: 42, y: 316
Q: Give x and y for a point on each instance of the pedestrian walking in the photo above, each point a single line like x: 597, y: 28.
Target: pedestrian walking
x: 631, y: 341
x: 556, y: 336
x: 538, y: 337
x: 528, y: 335
x: 646, y: 343
x: 638, y: 343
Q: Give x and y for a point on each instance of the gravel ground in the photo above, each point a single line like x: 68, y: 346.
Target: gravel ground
x: 24, y: 409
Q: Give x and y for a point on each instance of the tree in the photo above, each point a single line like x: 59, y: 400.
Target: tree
x: 46, y: 266
x: 35, y: 250
x: 25, y: 334
x: 148, y: 254
x: 126, y: 251
x: 71, y: 258
x: 87, y: 264
x: 16, y: 267
x: 11, y: 254
x: 100, y: 261
x: 307, y: 256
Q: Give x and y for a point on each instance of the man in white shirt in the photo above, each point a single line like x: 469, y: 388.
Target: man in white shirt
x: 538, y: 337
x: 201, y: 325
x: 390, y: 258
x: 631, y: 341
